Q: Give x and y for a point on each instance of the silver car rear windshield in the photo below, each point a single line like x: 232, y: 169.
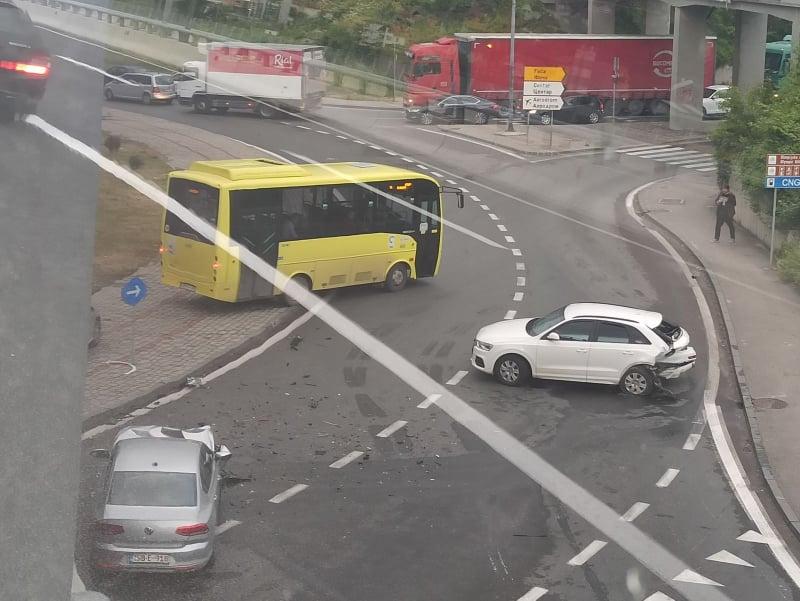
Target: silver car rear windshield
x: 153, y: 489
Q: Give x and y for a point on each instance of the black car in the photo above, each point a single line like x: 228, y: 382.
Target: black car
x: 460, y: 109
x: 24, y: 63
x: 120, y: 70
x: 576, y: 109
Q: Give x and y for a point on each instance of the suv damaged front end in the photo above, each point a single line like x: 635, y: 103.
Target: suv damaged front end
x: 679, y: 357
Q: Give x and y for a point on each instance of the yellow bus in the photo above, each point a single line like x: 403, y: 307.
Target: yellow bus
x: 324, y: 225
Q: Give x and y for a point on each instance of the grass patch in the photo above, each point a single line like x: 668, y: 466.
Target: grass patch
x: 789, y: 262
x: 128, y: 224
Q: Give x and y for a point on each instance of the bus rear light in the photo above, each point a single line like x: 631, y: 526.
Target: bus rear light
x: 161, y: 249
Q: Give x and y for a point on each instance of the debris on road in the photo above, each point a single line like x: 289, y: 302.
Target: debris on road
x: 295, y: 342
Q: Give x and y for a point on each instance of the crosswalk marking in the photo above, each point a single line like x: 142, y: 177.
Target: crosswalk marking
x: 673, y: 155
x: 646, y: 153
x: 699, y: 165
x: 686, y: 154
x: 684, y: 161
x: 635, y: 148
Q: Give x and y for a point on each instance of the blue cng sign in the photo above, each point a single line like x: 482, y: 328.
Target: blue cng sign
x: 134, y: 291
x: 783, y: 182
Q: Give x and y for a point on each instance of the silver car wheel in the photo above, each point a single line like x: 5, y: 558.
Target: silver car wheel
x: 509, y: 371
x: 635, y: 383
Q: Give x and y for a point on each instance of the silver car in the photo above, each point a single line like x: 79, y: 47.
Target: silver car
x: 144, y: 87
x: 159, y: 507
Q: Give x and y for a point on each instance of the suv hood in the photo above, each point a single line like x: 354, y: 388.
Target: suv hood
x: 503, y: 331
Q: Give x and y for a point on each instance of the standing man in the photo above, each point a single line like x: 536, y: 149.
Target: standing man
x: 726, y: 209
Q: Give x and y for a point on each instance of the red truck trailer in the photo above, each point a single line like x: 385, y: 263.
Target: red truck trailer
x: 477, y: 64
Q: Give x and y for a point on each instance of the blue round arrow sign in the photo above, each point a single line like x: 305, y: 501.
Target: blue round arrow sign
x: 134, y: 291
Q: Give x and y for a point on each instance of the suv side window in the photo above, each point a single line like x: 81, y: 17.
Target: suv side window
x: 636, y: 336
x: 579, y: 330
x: 613, y: 333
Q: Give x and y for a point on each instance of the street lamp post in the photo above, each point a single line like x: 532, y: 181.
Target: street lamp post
x: 511, y: 66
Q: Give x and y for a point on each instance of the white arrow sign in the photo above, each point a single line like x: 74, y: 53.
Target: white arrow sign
x: 542, y: 88
x: 135, y: 292
x: 542, y: 103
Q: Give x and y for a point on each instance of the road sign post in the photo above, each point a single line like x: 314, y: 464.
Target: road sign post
x: 542, y: 90
x: 783, y: 172
x: 132, y: 293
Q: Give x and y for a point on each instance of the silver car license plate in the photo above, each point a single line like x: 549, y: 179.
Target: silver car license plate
x: 149, y: 558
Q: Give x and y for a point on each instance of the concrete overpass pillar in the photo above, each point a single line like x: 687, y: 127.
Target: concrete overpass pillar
x: 688, y: 66
x: 748, y: 50
x: 796, y: 38
x: 602, y: 14
x: 657, y: 18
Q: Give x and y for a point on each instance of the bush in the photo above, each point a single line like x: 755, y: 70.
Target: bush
x: 789, y: 262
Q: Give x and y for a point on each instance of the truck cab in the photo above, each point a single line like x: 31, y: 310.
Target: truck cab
x: 190, y: 80
x: 777, y: 59
x: 433, y: 74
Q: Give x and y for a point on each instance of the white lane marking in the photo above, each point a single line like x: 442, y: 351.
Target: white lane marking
x: 516, y: 252
x: 699, y: 165
x: 659, y: 560
x: 451, y: 182
x: 667, y: 478
x: 475, y: 198
x: 510, y: 315
x: 288, y: 493
x: 751, y: 536
x: 635, y: 148
x: 520, y: 266
x: 408, y: 160
x: 518, y: 296
x: 90, y: 67
x: 375, y: 147
x: 430, y: 400
x: 716, y: 424
x: 728, y: 557
x: 646, y: 153
x: 485, y: 207
x: 423, y: 167
x: 534, y: 594
x: 459, y: 375
x: 362, y: 142
x: 691, y: 442
x: 585, y: 555
x: 391, y: 153
x: 436, y: 174
x: 341, y: 137
x: 286, y: 123
x: 351, y: 456
x: 470, y: 141
x: 275, y: 155
x: 77, y: 584
x: 659, y: 596
x: 225, y: 526
x: 324, y: 133
x: 520, y: 280
x: 634, y: 511
x: 465, y: 190
x: 664, y: 155
x: 179, y: 394
x: 683, y: 161
x: 389, y: 430
x: 493, y: 217
x: 302, y: 127
x: 694, y: 578
x: 714, y: 168
x: 501, y: 227
x: 399, y: 200
x: 510, y: 239
x: 692, y: 155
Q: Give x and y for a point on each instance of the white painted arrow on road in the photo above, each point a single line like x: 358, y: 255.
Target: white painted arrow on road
x: 728, y: 557
x: 695, y: 578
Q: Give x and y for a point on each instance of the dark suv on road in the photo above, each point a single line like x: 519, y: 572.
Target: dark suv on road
x: 24, y: 63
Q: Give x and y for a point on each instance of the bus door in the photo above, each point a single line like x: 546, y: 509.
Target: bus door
x: 427, y: 234
x: 255, y: 221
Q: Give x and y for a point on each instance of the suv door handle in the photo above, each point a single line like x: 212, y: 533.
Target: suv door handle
x: 627, y: 352
x: 582, y: 350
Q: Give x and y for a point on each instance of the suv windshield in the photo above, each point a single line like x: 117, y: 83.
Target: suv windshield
x: 542, y: 324
x: 153, y: 489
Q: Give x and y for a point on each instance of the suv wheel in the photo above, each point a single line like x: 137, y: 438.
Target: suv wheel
x: 638, y: 381
x: 512, y: 370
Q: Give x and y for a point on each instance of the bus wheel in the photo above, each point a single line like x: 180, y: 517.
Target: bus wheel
x: 301, y: 281
x: 397, y: 278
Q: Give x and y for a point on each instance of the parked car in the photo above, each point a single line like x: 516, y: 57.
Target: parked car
x: 462, y: 109
x: 586, y: 342
x: 159, y: 506
x: 120, y: 70
x: 144, y: 87
x: 715, y: 100
x: 576, y: 109
x: 24, y: 63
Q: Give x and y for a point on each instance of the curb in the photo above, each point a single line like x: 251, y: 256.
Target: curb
x: 741, y: 380
x: 112, y: 415
x: 360, y: 106
x: 539, y: 153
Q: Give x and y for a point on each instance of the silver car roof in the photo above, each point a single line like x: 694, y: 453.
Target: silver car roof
x: 157, y: 455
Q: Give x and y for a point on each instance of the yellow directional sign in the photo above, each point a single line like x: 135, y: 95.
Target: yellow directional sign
x: 544, y: 73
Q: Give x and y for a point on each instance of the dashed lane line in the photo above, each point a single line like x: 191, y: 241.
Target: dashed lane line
x: 493, y: 217
x: 518, y: 296
x: 534, y: 594
x: 423, y: 167
x: 451, y: 182
x: 429, y: 400
x: 520, y: 266
x: 691, y: 442
x: 324, y: 133
x: 408, y: 160
x: 485, y: 207
x: 516, y: 252
x: 667, y: 478
x: 510, y: 239
x: 389, y: 430
x: 459, y: 375
x: 288, y: 493
x: 350, y: 457
x: 510, y: 314
x: 591, y: 549
x: 302, y: 127
x: 634, y: 511
x: 475, y: 198
x: 502, y: 228
x: 521, y: 280
x: 225, y: 526
x: 341, y: 137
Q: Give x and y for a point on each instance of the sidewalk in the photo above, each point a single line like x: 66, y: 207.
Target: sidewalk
x: 570, y: 139
x: 765, y: 317
x: 172, y: 334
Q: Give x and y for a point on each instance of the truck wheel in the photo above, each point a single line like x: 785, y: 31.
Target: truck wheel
x: 635, y: 108
x: 659, y: 107
x: 201, y: 105
x: 264, y: 111
x: 426, y: 118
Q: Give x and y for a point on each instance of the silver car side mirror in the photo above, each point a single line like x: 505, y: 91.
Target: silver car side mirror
x: 100, y: 453
x: 223, y: 454
x: 553, y: 336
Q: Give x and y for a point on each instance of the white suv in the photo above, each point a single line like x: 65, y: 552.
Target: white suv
x: 586, y: 342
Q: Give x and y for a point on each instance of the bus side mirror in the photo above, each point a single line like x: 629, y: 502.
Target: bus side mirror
x: 458, y: 192
x: 460, y: 195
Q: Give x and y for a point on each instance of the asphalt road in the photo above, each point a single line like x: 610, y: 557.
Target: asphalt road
x: 431, y: 512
